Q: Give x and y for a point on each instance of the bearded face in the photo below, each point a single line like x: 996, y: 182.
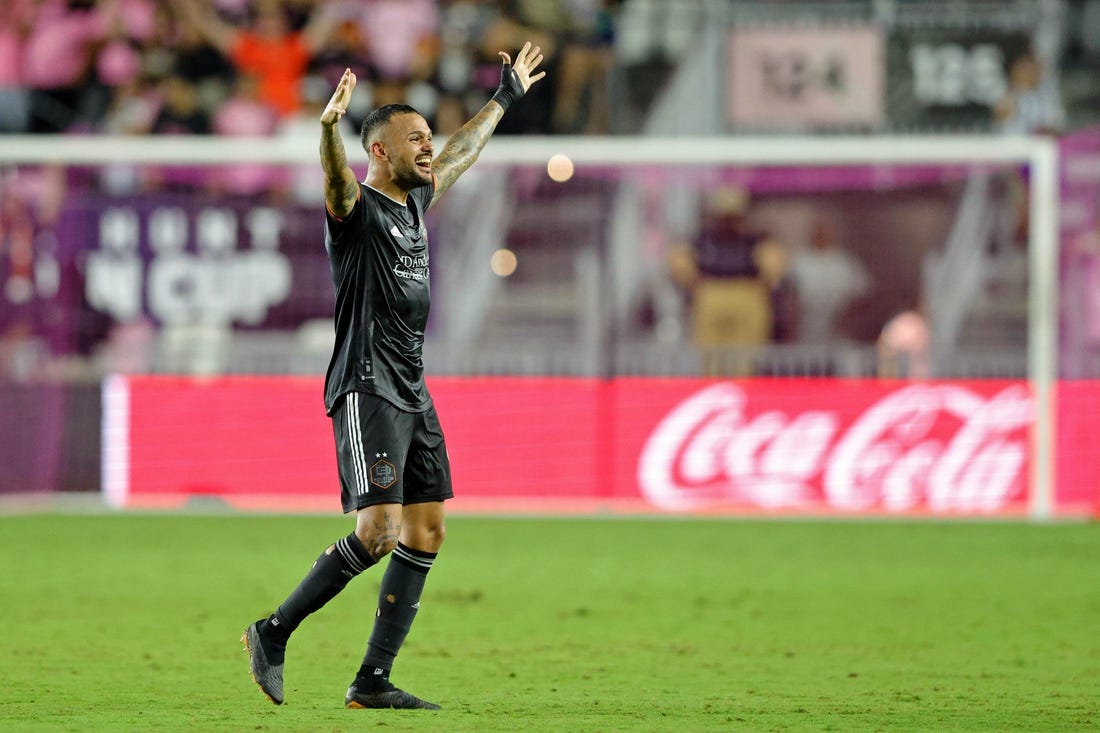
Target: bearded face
x: 410, y: 150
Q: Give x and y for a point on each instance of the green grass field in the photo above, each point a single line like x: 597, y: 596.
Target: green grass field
x: 131, y: 623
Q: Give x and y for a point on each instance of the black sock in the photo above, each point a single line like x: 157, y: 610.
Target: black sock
x: 333, y: 570
x: 398, y: 602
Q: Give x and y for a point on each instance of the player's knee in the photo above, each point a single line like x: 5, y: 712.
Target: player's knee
x: 427, y: 537
x: 436, y: 534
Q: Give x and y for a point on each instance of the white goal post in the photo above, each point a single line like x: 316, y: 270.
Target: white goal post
x: 1040, y: 155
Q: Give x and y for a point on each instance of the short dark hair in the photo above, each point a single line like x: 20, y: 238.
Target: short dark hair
x: 379, y: 117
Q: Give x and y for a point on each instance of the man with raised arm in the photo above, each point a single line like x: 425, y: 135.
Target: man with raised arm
x: 392, y: 461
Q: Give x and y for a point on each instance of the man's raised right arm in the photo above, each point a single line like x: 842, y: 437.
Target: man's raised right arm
x: 341, y: 186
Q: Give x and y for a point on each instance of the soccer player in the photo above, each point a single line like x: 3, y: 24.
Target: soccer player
x: 391, y: 458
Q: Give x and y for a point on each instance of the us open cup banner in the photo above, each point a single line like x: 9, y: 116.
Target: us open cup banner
x: 680, y: 446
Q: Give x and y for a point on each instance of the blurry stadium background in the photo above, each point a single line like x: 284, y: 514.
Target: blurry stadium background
x: 797, y: 257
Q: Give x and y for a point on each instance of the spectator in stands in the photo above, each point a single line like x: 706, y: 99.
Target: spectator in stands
x: 508, y: 25
x: 15, y: 24
x: 462, y: 25
x: 1031, y: 105
x: 721, y: 272
x: 247, y: 114
x: 132, y: 109
x: 828, y: 279
x: 57, y: 62
x: 178, y: 111
x: 773, y: 263
x: 587, y: 56
x: 904, y: 347
x: 118, y: 64
x: 577, y: 37
x: 346, y: 49
x: 187, y: 54
x: 129, y: 27
x: 270, y: 50
x: 181, y: 112
x: 79, y: 53
x: 401, y: 38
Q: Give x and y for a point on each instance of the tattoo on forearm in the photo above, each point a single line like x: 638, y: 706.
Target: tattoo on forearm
x: 464, y: 146
x: 340, y: 184
x: 333, y: 157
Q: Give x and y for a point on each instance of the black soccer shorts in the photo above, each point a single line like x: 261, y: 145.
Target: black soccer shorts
x: 388, y: 456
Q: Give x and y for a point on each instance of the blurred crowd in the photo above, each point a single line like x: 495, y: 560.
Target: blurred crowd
x: 253, y: 67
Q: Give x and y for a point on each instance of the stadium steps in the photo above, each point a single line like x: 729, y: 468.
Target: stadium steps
x: 553, y: 232
x: 999, y: 317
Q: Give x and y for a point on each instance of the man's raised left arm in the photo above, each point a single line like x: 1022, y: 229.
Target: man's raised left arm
x: 464, y: 146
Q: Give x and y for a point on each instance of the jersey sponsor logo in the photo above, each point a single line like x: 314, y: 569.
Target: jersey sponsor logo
x: 411, y: 268
x: 383, y: 474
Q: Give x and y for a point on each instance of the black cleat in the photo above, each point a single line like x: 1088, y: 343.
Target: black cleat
x: 265, y: 662
x: 386, y: 696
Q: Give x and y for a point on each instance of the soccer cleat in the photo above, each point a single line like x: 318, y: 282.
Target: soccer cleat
x: 265, y: 663
x: 386, y: 697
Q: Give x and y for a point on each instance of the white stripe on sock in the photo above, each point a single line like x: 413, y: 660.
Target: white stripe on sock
x: 349, y: 555
x: 423, y: 562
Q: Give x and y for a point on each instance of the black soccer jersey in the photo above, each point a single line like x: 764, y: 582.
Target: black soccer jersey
x: 379, y: 259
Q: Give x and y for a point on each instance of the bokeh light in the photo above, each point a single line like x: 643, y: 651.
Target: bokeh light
x: 503, y: 262
x: 559, y: 168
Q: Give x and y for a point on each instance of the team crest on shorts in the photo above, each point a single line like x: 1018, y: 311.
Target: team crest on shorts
x: 383, y: 474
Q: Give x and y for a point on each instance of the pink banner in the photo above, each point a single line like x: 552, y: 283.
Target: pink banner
x: 807, y: 446
x: 1079, y: 282
x: 1077, y: 441
x: 807, y: 78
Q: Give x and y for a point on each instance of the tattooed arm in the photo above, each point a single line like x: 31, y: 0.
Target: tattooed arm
x: 463, y: 147
x: 341, y: 186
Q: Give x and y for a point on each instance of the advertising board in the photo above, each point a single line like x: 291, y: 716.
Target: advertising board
x: 649, y: 445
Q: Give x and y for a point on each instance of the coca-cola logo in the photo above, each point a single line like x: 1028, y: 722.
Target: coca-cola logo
x: 939, y: 447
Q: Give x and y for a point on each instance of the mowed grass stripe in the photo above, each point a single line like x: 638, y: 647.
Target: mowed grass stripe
x: 131, y: 622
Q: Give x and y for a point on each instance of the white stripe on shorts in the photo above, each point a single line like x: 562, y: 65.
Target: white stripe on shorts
x: 355, y: 440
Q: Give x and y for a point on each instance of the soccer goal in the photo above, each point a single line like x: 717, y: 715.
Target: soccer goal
x: 555, y: 255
